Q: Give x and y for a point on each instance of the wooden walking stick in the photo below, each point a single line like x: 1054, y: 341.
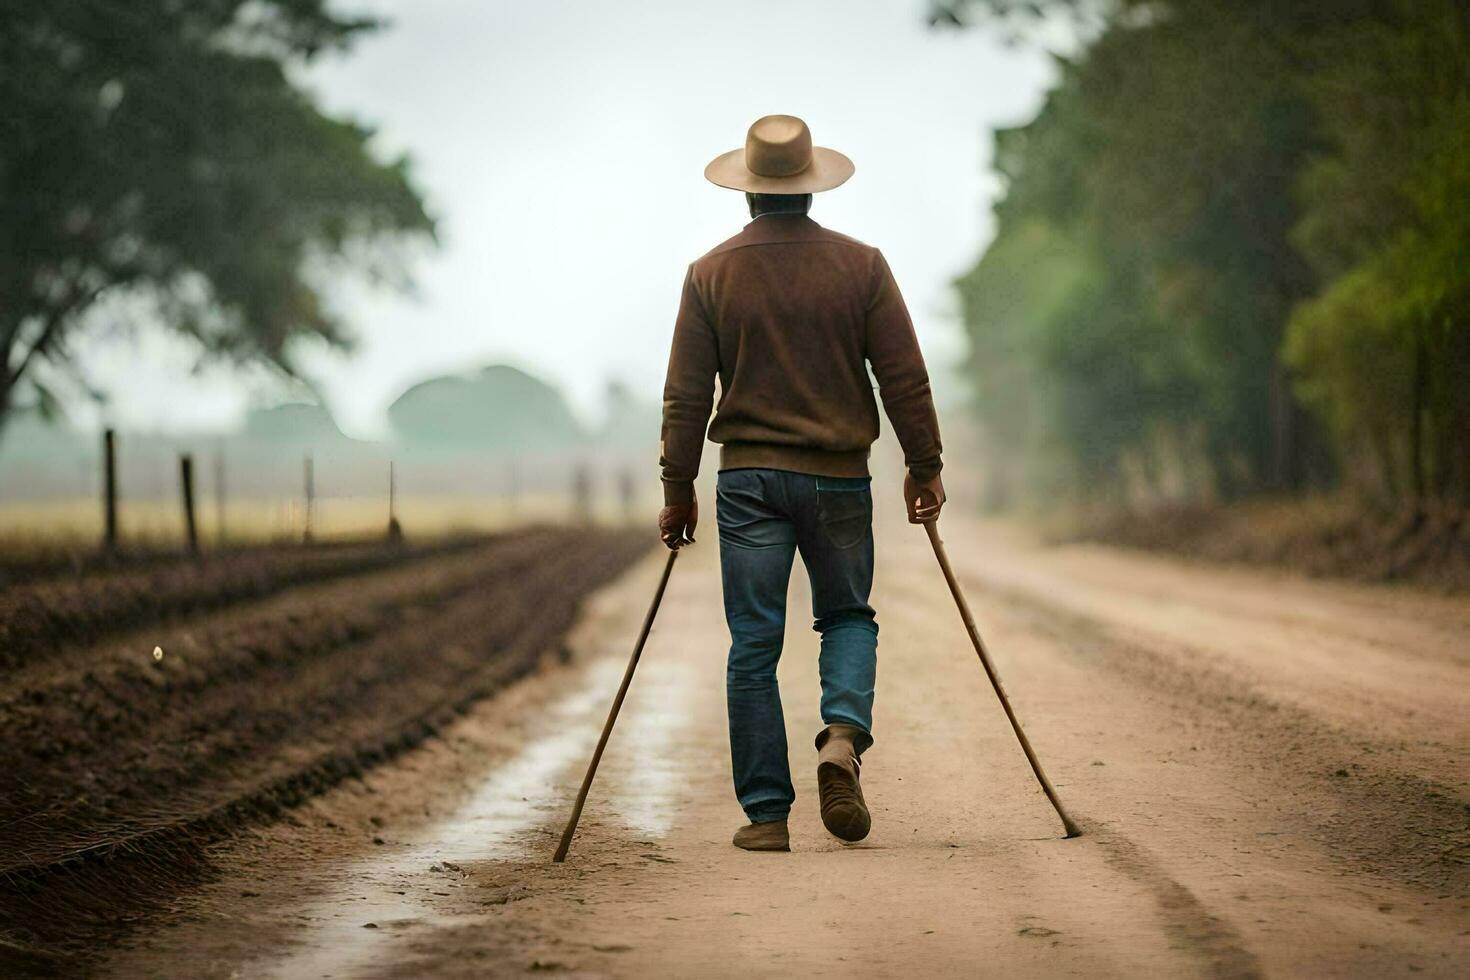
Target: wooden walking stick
x: 612, y: 716
x: 932, y: 529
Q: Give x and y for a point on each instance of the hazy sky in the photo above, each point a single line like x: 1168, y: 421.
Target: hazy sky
x: 562, y: 145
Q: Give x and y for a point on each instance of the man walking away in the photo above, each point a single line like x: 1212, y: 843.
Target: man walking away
x: 789, y: 315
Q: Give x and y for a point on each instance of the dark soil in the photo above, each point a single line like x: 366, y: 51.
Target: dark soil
x: 1328, y: 538
x: 280, y: 674
x: 41, y: 612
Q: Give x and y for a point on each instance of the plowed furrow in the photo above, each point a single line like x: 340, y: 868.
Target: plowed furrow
x: 41, y: 618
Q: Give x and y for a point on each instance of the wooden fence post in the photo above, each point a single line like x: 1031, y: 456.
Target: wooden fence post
x: 219, y: 499
x: 186, y: 485
x: 395, y: 530
x: 109, y: 489
x: 514, y: 473
x: 581, y: 494
x: 310, y: 476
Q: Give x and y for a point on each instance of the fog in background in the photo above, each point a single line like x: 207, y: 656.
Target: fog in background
x: 561, y: 147
x: 1215, y: 252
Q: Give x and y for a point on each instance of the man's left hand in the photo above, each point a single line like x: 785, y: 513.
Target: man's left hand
x: 924, y: 499
x: 676, y: 524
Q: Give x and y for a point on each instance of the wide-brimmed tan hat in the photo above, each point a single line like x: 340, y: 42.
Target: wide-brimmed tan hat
x: 778, y: 158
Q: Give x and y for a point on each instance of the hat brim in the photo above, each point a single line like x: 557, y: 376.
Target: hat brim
x: 827, y: 170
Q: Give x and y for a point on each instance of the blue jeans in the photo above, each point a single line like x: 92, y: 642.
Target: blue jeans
x: 765, y: 517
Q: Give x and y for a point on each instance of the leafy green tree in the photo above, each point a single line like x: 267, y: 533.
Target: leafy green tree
x: 1166, y: 157
x: 1265, y: 200
x: 157, y: 156
x: 1383, y: 351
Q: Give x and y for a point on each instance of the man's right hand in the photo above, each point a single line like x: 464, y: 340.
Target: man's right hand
x: 676, y: 524
x: 923, y: 499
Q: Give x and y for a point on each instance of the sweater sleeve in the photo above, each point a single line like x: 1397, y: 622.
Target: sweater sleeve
x: 689, y: 390
x: 903, y: 381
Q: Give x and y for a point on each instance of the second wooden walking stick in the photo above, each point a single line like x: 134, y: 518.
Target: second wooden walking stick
x: 612, y: 715
x: 932, y: 529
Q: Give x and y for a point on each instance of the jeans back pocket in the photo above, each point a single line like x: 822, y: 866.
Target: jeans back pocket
x: 845, y: 508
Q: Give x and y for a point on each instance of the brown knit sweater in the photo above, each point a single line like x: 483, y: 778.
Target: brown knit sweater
x: 788, y: 314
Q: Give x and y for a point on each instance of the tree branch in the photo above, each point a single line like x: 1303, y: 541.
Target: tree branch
x: 52, y: 329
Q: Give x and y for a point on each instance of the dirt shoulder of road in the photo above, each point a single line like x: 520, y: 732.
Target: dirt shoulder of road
x: 1319, y: 537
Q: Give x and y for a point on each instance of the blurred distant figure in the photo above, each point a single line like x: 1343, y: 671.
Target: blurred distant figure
x: 582, y: 494
x: 789, y: 315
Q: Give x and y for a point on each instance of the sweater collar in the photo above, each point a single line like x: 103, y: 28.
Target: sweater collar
x: 778, y: 226
x: 781, y: 216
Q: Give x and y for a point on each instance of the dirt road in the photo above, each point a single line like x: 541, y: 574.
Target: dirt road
x: 1272, y: 774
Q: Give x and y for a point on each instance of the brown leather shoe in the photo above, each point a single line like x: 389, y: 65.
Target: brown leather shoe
x: 844, y: 813
x: 768, y: 836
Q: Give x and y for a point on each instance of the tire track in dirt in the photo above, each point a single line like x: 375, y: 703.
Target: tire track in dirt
x: 1386, y: 816
x: 1387, y: 662
x: 1188, y: 921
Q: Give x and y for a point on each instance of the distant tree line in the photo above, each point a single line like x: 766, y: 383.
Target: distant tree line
x: 1233, y: 254
x: 156, y: 155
